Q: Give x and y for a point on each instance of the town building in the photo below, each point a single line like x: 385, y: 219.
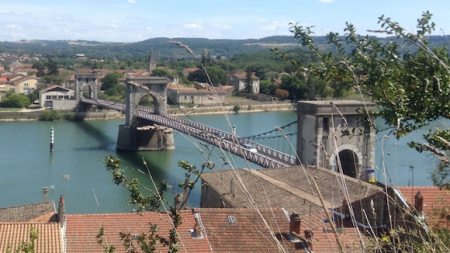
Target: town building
x: 182, y: 95
x: 239, y: 81
x: 57, y: 97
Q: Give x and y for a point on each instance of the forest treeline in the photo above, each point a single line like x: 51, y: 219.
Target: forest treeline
x: 216, y: 48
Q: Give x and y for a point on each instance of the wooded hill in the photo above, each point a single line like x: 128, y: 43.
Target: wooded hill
x: 163, y: 49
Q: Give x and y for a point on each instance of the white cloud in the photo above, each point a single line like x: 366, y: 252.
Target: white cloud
x: 148, y: 28
x: 13, y: 26
x: 326, y: 1
x: 114, y: 25
x: 219, y: 26
x: 192, y: 26
x: 131, y: 1
x: 8, y: 12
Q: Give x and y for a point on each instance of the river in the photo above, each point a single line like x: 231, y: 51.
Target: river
x: 75, y: 168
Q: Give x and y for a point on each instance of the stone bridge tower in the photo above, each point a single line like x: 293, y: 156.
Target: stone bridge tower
x: 139, y: 134
x: 321, y: 142
x: 85, y: 79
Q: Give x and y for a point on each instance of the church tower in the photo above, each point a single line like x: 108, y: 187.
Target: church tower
x: 151, y: 62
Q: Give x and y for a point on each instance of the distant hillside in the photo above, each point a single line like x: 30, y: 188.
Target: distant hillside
x: 163, y: 49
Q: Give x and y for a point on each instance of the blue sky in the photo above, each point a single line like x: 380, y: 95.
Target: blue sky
x: 137, y: 20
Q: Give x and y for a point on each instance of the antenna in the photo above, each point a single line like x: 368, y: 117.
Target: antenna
x: 64, y: 178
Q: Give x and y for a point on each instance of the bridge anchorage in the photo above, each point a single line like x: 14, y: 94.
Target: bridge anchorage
x: 320, y: 140
x: 139, y: 133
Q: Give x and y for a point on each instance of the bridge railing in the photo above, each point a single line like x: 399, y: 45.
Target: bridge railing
x: 234, y: 148
x: 261, y: 148
x: 205, y: 133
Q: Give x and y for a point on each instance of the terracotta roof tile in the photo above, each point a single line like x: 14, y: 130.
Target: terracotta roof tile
x: 49, y: 238
x: 434, y: 199
x: 251, y: 234
x: 25, y: 213
x: 81, y: 230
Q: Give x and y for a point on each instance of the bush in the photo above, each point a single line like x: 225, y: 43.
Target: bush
x: 72, y: 117
x: 15, y: 101
x: 281, y: 94
x: 50, y: 115
x: 236, y: 108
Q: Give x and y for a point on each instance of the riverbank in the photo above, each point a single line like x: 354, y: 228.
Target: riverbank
x: 35, y: 114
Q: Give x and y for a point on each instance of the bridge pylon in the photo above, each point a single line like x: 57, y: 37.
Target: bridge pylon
x: 83, y: 80
x: 321, y: 140
x: 140, y: 134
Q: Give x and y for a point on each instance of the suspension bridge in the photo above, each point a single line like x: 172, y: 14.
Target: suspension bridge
x: 313, y: 134
x: 265, y: 156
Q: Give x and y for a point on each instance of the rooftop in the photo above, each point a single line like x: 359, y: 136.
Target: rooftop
x: 266, y: 230
x: 434, y: 201
x: 49, y: 238
x: 40, y: 212
x: 290, y: 188
x: 81, y: 230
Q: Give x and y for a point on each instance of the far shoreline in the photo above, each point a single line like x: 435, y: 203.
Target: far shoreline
x: 25, y: 115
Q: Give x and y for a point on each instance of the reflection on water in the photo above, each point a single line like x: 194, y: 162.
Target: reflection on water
x: 27, y: 164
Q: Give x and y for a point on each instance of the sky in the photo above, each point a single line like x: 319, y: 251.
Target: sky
x: 138, y: 20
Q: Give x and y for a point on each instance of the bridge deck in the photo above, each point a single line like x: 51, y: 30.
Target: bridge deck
x: 266, y: 157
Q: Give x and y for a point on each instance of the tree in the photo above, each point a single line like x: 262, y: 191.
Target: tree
x: 15, y: 101
x: 248, y: 81
x: 152, y: 202
x: 161, y: 72
x: 281, y: 94
x: 215, y: 73
x: 51, y: 68
x: 295, y: 85
x: 267, y: 87
x: 411, y: 88
x: 318, y: 88
x: 52, y: 79
x: 111, y: 80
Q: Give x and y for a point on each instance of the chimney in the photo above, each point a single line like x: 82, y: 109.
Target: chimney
x: 197, y: 231
x: 418, y: 202
x: 309, y: 239
x: 295, y: 223
x: 61, y: 211
x: 45, y: 191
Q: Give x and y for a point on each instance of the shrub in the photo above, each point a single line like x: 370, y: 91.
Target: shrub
x: 236, y: 108
x: 50, y: 115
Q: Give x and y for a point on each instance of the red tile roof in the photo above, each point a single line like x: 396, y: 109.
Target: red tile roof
x: 81, y: 230
x: 251, y: 234
x: 434, y: 200
x: 49, y: 238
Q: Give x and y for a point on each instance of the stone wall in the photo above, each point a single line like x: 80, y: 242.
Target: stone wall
x: 229, y: 109
x: 210, y: 198
x: 31, y: 115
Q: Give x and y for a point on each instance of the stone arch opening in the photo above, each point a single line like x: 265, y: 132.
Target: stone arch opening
x: 348, y: 162
x: 147, y: 101
x: 351, y: 160
x: 88, y: 91
x: 143, y: 98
